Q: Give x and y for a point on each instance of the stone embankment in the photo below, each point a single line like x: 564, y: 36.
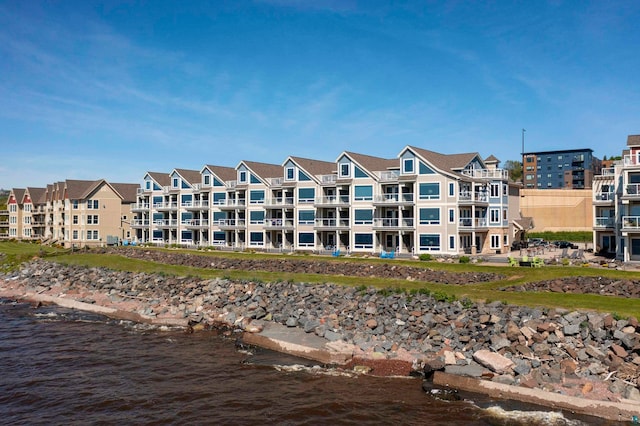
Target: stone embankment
x: 379, y: 270
x: 589, y: 355
x: 584, y: 285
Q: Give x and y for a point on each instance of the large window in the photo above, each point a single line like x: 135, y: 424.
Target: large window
x: 363, y: 193
x: 407, y: 165
x: 363, y: 241
x: 256, y: 217
x: 494, y: 215
x: 430, y: 216
x: 93, y: 235
x: 363, y: 217
x: 256, y: 238
x: 306, y: 217
x: 358, y: 173
x: 75, y: 219
x: 306, y: 239
x: 219, y: 198
x: 429, y: 242
x: 218, y: 237
x: 256, y: 197
x: 92, y: 219
x: 429, y: 191
x: 302, y: 176
x: 306, y: 195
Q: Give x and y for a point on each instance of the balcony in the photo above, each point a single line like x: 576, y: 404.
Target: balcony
x: 195, y: 223
x: 332, y: 201
x: 140, y: 191
x: 331, y: 224
x: 471, y: 223
x: 278, y: 224
x: 487, y: 174
x: 393, y: 199
x: 275, y: 182
x: 140, y: 207
x: 604, y: 197
x: 389, y: 176
x: 393, y: 223
x: 468, y: 197
x: 632, y: 190
x: 278, y: 202
x: 166, y: 223
x: 140, y: 223
x: 166, y: 206
x: 604, y: 222
x: 195, y: 205
x: 328, y: 179
x: 231, y: 224
x: 631, y: 160
x: 631, y: 223
x: 231, y: 204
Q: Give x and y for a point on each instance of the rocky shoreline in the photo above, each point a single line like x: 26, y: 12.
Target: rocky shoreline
x: 588, y: 355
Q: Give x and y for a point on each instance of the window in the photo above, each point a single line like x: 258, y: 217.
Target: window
x: 344, y: 170
x: 363, y: 193
x: 75, y: 204
x: 75, y: 219
x: 147, y: 185
x: 253, y: 179
x: 92, y: 235
x: 306, y: 239
x: 219, y: 216
x: 495, y: 241
x: 93, y: 204
x: 256, y: 197
x: 243, y: 177
x: 363, y: 241
x: 407, y: 165
x: 452, y: 216
x: 216, y: 182
x: 256, y: 217
x: 256, y: 238
x: 26, y: 232
x: 75, y: 234
x: 529, y: 168
x: 302, y: 177
x: 452, y: 242
x: 494, y: 215
x: 218, y: 237
x: 504, y: 214
x: 306, y: 195
x: 505, y: 189
x: 529, y: 159
x: 13, y: 220
x: 430, y: 216
x: 429, y: 242
x: 363, y: 217
x: 176, y: 182
x: 306, y: 217
x: 207, y: 180
x: 289, y: 173
x: 219, y: 198
x: 92, y: 219
x: 358, y: 173
x: 423, y: 169
x: 494, y: 190
x: 560, y: 166
x: 429, y: 191
x: 452, y: 189
x: 27, y: 220
x: 559, y: 157
x: 13, y: 208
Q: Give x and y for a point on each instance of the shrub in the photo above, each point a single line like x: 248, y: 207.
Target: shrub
x: 425, y: 257
x: 464, y: 259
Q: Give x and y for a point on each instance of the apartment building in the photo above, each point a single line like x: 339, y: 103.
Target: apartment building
x: 616, y: 205
x: 73, y: 212
x: 573, y: 169
x: 421, y: 201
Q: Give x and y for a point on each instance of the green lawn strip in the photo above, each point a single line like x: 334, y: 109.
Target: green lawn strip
x: 477, y: 292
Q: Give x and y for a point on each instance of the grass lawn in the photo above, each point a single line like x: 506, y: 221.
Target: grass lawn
x: 623, y: 307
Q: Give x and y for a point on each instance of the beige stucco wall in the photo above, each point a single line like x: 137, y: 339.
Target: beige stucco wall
x: 558, y: 209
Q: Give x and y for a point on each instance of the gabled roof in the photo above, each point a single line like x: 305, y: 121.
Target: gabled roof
x: 162, y: 179
x: 38, y: 195
x: 373, y: 164
x: 491, y: 159
x: 633, y: 140
x: 18, y: 193
x: 452, y: 163
x: 127, y: 191
x: 80, y: 189
x: 223, y: 172
x: 191, y: 176
x: 314, y: 167
x: 264, y: 170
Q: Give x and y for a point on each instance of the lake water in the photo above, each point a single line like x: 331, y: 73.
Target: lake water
x: 63, y: 367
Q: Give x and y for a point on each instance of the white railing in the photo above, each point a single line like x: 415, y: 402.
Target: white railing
x: 331, y: 222
x: 165, y: 222
x: 194, y: 204
x: 195, y: 222
x: 609, y: 171
x: 473, y: 196
x: 631, y: 222
x: 278, y: 223
x: 604, y: 222
x: 389, y: 176
x: 327, y: 179
x: 279, y: 201
x: 631, y: 160
x: 141, y: 206
x: 604, y: 196
x: 393, y: 222
x: 632, y: 189
x: 231, y: 203
x: 276, y: 181
x: 469, y: 222
x: 230, y: 222
x: 333, y: 199
x: 394, y: 198
x: 160, y: 206
x: 232, y: 183
x: 487, y: 173
x: 140, y: 222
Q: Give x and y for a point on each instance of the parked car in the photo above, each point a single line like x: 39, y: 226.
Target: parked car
x: 536, y: 242
x: 565, y: 244
x: 517, y: 245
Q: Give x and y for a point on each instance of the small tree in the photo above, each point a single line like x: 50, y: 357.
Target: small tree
x: 514, y: 168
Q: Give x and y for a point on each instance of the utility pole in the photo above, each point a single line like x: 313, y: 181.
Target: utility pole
x: 523, y: 130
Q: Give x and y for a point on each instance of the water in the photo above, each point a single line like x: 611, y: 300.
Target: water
x: 64, y: 367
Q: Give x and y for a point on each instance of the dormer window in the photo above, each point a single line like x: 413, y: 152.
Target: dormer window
x: 243, y: 177
x: 289, y: 173
x: 206, y: 180
x: 344, y: 170
x: 407, y: 166
x: 175, y: 182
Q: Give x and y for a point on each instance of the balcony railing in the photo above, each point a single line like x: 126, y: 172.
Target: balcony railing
x: 631, y: 222
x: 604, y: 222
x: 165, y: 206
x: 333, y: 200
x: 231, y: 204
x: 140, y: 222
x: 140, y: 206
x: 394, y: 198
x: 278, y: 223
x: 482, y: 197
x: 331, y: 223
x: 328, y: 179
x: 276, y: 181
x: 632, y: 190
x: 406, y: 222
x: 197, y: 204
x: 604, y: 196
x: 195, y: 223
x: 279, y: 202
x: 469, y: 222
x: 631, y: 160
x: 166, y: 223
x: 389, y: 176
x: 230, y: 223
x: 487, y: 174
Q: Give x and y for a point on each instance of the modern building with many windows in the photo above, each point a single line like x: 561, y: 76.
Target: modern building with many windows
x: 419, y: 202
x: 616, y: 205
x: 572, y: 169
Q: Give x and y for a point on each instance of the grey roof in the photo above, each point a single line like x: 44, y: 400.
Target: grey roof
x: 223, y: 172
x: 18, y: 193
x: 80, y: 189
x: 373, y: 164
x: 265, y: 170
x: 491, y: 159
x: 191, y: 176
x: 38, y: 195
x: 163, y: 179
x: 524, y: 223
x: 633, y: 140
x: 446, y: 162
x: 315, y: 167
x: 128, y: 191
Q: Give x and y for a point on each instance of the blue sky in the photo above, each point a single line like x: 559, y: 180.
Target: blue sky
x: 111, y: 90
